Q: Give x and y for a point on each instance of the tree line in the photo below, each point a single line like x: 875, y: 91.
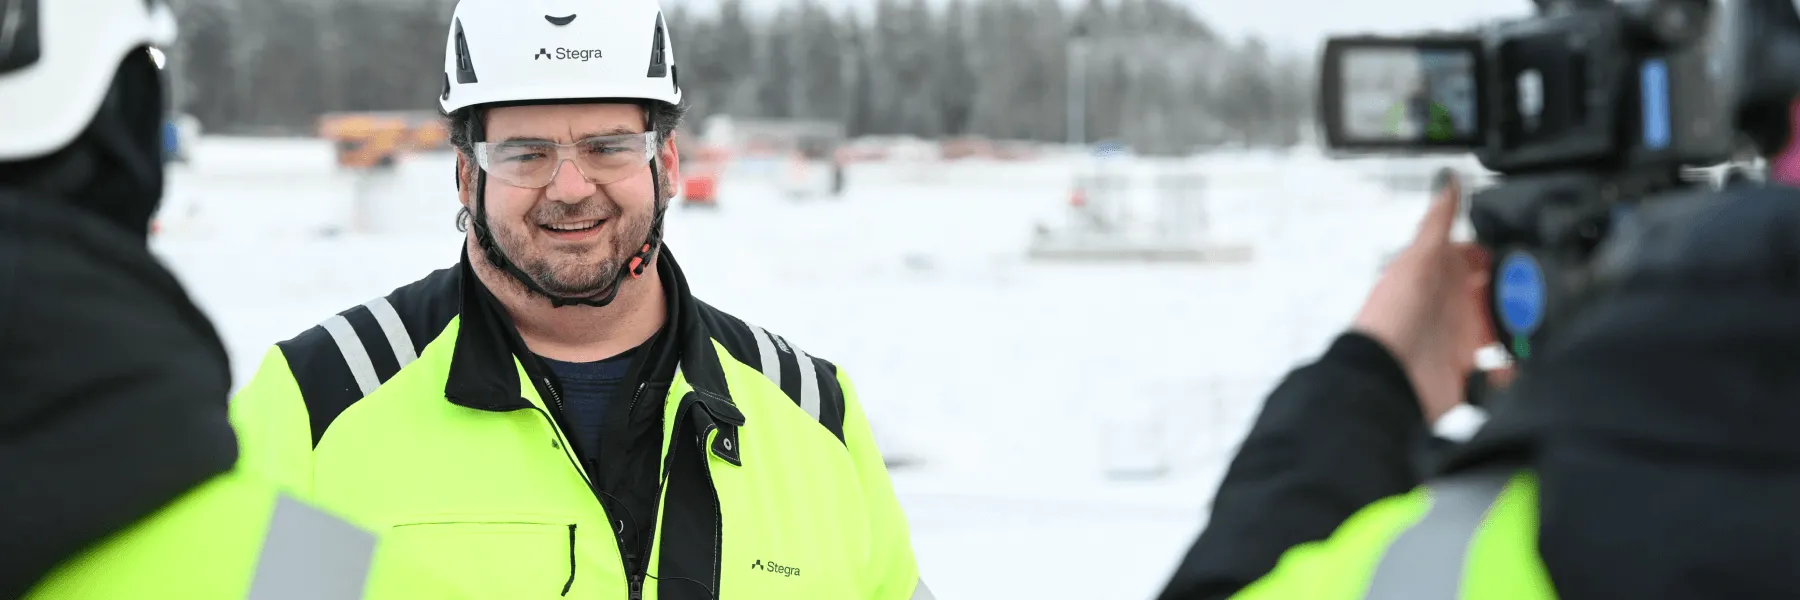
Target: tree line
x: 1156, y: 76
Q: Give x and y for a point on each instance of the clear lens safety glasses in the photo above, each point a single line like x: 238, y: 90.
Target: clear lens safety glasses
x: 533, y: 164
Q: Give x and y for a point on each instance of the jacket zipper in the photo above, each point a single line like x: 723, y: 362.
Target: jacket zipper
x: 555, y: 398
x: 634, y: 569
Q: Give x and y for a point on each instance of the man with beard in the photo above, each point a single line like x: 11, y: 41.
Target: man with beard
x: 557, y: 415
x: 117, y: 461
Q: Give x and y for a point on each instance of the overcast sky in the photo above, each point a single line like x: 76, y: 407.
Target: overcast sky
x: 1302, y: 25
x: 1297, y: 26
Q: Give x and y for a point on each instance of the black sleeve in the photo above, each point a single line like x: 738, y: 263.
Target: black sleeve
x: 113, y: 389
x: 1334, y: 436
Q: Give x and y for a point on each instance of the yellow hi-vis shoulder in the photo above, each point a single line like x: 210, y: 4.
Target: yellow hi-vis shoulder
x: 235, y: 537
x: 1467, y: 537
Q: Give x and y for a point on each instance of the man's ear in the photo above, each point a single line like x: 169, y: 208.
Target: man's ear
x: 465, y: 178
x: 671, y: 163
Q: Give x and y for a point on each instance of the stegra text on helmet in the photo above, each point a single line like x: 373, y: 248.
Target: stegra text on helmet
x: 566, y: 54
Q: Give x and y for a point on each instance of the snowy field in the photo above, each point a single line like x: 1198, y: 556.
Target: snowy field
x: 1020, y: 389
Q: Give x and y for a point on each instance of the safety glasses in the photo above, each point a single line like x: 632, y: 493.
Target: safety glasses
x: 533, y: 164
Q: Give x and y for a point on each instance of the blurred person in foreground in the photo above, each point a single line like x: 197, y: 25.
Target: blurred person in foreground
x: 557, y: 414
x: 1646, y: 451
x: 117, y: 475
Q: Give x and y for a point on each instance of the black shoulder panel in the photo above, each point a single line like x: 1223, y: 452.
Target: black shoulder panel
x: 344, y: 358
x: 831, y: 408
x: 811, y: 382
x: 731, y: 333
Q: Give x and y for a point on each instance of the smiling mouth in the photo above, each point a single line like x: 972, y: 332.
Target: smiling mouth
x: 576, y: 227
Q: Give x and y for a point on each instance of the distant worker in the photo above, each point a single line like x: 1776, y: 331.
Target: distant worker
x: 837, y: 176
x: 557, y: 415
x: 1420, y: 113
x: 118, y: 466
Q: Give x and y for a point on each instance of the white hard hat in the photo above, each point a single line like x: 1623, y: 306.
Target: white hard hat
x: 57, y: 60
x: 550, y: 50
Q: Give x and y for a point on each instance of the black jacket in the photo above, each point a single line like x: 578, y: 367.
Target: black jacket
x: 1661, y: 422
x: 1334, y: 436
x: 112, y: 386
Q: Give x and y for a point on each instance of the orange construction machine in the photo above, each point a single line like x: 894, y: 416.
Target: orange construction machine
x: 700, y: 183
x: 376, y: 139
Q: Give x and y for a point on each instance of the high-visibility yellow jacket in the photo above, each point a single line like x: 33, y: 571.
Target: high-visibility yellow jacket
x: 236, y: 537
x: 1470, y: 536
x: 423, y: 414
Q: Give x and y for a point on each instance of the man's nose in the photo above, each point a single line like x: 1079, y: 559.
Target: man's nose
x: 569, y: 185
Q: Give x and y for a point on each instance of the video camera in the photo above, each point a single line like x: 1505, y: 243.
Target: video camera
x: 1584, y: 110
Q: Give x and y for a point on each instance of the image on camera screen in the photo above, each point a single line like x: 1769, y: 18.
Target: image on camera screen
x: 1399, y: 94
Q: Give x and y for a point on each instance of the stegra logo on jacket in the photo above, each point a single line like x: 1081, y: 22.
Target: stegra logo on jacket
x: 770, y: 566
x: 566, y: 54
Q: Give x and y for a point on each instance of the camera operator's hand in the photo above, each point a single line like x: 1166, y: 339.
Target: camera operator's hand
x: 1429, y: 308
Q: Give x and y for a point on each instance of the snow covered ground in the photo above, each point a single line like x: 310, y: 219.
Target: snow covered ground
x: 1017, y: 386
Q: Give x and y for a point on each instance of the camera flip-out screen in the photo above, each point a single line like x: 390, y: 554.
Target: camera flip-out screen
x: 1399, y: 93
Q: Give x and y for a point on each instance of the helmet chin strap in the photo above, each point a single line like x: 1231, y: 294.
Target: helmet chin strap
x: 632, y: 269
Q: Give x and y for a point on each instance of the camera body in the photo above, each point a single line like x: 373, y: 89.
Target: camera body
x: 1589, y: 83
x: 1584, y: 110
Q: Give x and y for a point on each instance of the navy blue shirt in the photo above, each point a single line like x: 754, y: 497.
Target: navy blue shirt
x: 587, y: 389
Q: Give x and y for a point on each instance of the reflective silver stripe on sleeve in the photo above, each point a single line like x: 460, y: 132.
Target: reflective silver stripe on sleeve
x: 765, y: 347
x: 920, y: 592
x: 394, y: 329
x: 350, y: 345
x: 809, y: 383
x: 311, y: 555
x: 1426, y: 562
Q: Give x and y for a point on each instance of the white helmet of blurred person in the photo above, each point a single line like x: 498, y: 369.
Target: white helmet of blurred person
x: 562, y: 114
x: 82, y: 103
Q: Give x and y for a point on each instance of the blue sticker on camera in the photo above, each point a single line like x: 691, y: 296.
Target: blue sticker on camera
x: 1519, y: 293
x: 1654, y: 79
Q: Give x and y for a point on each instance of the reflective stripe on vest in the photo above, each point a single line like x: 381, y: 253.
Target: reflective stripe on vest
x: 1427, y: 561
x: 766, y: 345
x: 920, y: 592
x: 356, y: 355
x: 311, y: 555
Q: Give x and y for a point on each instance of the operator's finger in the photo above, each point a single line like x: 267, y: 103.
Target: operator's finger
x: 1435, y: 228
x: 1475, y: 259
x: 1479, y: 287
x: 1446, y: 180
x: 1502, y: 377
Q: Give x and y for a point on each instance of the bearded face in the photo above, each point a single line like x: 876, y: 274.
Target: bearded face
x: 569, y: 197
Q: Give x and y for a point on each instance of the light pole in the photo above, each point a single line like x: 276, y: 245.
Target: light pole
x: 1077, y: 92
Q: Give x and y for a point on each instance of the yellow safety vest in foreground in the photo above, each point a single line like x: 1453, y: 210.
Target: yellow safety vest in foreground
x: 235, y: 537
x: 1466, y: 537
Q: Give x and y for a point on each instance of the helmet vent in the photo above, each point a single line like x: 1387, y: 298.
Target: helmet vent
x: 465, y: 68
x: 19, y: 43
x: 659, y: 63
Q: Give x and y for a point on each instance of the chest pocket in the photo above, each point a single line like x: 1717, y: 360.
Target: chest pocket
x: 798, y: 532
x: 493, y: 556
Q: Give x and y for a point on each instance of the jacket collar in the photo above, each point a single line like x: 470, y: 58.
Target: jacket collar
x: 483, y: 374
